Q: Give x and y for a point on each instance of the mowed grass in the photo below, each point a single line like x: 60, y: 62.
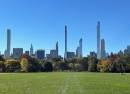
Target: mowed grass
x: 64, y: 83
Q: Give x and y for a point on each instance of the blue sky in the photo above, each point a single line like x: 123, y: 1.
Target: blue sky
x: 41, y: 22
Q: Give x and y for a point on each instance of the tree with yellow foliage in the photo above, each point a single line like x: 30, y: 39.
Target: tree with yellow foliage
x: 24, y: 65
x: 12, y: 65
x: 102, y: 66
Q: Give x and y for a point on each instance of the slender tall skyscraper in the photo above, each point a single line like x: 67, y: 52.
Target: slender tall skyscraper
x: 79, y: 53
x: 103, y: 52
x: 65, y: 42
x: 80, y: 45
x: 8, y: 43
x: 57, y: 49
x: 98, y: 40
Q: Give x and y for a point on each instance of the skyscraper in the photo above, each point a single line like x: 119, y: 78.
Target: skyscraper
x: 27, y: 53
x: 65, y: 55
x: 103, y: 52
x: 17, y: 53
x: 78, y: 52
x: 8, y: 43
x: 40, y: 54
x: 31, y: 50
x: 79, y: 49
x: 98, y: 39
x: 80, y: 45
x: 70, y: 55
x: 57, y: 49
x: 53, y: 54
x: 127, y: 50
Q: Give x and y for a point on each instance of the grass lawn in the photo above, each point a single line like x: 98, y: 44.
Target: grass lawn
x: 64, y: 83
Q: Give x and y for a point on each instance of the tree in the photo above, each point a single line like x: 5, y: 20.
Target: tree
x: 12, y: 66
x: 1, y: 58
x: 77, y: 67
x: 127, y: 61
x: 2, y: 66
x: 48, y: 67
x: 92, y: 64
x: 24, y: 65
x: 56, y: 63
x: 34, y: 65
x: 102, y: 66
x: 84, y: 64
x: 117, y: 63
x: 72, y: 64
x: 30, y: 64
x: 64, y: 66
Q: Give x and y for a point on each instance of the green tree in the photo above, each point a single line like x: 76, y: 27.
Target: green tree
x: 34, y: 65
x: 92, y: 64
x: 48, y: 67
x: 84, y: 64
x: 64, y: 66
x: 2, y: 66
x: 1, y: 58
x: 56, y: 63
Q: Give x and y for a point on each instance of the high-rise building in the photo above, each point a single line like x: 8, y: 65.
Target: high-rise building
x: 79, y: 49
x: 40, y: 54
x: 65, y: 55
x: 93, y: 54
x: 48, y: 57
x: 31, y: 50
x: 80, y: 46
x: 27, y: 53
x: 70, y: 55
x: 17, y: 53
x: 127, y: 50
x: 98, y: 40
x: 57, y: 49
x: 8, y: 43
x: 78, y: 52
x: 53, y: 54
x: 103, y: 52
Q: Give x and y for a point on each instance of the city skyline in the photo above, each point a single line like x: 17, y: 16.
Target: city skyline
x: 33, y: 23
x: 101, y: 52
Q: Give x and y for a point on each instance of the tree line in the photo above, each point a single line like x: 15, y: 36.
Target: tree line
x: 116, y: 63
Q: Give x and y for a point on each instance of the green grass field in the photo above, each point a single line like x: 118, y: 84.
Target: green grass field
x: 64, y: 83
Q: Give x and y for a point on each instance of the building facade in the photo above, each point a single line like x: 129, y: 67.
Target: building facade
x: 79, y: 52
x: 27, y: 53
x: 70, y: 55
x: 65, y: 54
x: 53, y: 54
x: 17, y: 53
x: 8, y: 43
x: 103, y: 52
x: 93, y: 54
x: 57, y: 49
x: 40, y: 54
